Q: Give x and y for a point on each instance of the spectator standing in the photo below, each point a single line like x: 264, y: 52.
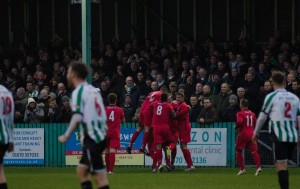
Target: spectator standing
x: 252, y: 87
x: 173, y: 89
x: 195, y: 108
x: 128, y: 108
x: 33, y: 113
x: 234, y: 80
x: 54, y: 113
x: 20, y: 105
x: 296, y: 88
x: 131, y: 89
x: 66, y: 111
x: 208, y: 114
x: 241, y: 93
x: 222, y: 101
x: 31, y: 92
x: 232, y: 109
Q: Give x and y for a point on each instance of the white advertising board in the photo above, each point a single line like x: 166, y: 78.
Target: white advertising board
x: 208, y: 147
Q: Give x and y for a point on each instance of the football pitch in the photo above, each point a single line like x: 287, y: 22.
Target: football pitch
x: 136, y: 178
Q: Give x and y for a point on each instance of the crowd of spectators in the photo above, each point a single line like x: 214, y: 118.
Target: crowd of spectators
x: 214, y: 78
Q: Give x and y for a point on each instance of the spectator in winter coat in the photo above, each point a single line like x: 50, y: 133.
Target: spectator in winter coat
x: 33, y: 114
x: 232, y: 109
x: 128, y: 108
x: 223, y: 100
x: 195, y: 108
x: 208, y: 114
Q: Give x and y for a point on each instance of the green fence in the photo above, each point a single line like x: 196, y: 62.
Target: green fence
x: 55, y: 152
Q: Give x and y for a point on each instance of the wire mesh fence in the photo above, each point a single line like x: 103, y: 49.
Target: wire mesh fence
x: 265, y: 150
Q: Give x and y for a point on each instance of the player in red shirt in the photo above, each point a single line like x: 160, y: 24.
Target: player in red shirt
x: 184, y: 128
x: 162, y: 112
x: 145, y: 120
x: 115, y: 116
x: 174, y: 131
x: 245, y: 122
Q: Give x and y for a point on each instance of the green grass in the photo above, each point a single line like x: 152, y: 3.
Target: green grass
x: 136, y: 178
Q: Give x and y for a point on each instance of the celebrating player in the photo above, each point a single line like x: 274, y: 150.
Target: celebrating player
x: 115, y: 115
x: 162, y: 112
x: 184, y: 128
x: 245, y: 121
x: 282, y: 108
x: 6, y: 129
x: 174, y: 131
x: 145, y: 120
x: 89, y: 113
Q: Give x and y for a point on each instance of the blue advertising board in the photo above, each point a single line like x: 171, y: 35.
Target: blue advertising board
x: 74, y: 150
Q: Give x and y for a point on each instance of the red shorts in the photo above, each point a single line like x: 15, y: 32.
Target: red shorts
x: 184, y: 133
x: 162, y: 135
x: 245, y: 141
x: 113, y: 142
x: 145, y: 117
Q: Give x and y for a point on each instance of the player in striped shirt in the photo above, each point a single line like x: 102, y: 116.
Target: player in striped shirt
x: 89, y: 114
x: 282, y: 108
x: 6, y: 128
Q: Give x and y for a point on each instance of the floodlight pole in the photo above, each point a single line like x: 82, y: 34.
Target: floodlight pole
x: 86, y: 35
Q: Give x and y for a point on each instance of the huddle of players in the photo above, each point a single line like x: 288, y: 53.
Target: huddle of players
x: 165, y: 123
x: 169, y: 122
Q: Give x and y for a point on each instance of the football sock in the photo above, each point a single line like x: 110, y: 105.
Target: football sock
x: 104, y: 187
x: 112, y: 157
x: 134, y: 136
x: 86, y: 185
x: 167, y: 160
x: 187, y: 157
x: 107, y: 161
x: 3, y: 186
x: 283, y: 178
x: 256, y: 158
x: 159, y: 156
x: 239, y: 158
x: 145, y: 139
x: 173, y: 156
x: 154, y: 160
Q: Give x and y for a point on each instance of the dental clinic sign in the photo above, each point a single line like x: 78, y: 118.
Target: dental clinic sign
x: 208, y: 147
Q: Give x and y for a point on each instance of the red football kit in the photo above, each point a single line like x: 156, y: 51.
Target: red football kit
x: 173, y: 124
x: 114, y: 115
x: 245, y: 122
x: 145, y: 111
x: 161, y: 116
x: 183, y: 122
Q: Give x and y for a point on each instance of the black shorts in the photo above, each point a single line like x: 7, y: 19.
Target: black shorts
x: 3, y: 149
x: 283, y: 151
x: 92, y: 155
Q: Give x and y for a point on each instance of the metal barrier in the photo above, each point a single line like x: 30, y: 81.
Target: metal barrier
x: 265, y: 150
x: 55, y: 151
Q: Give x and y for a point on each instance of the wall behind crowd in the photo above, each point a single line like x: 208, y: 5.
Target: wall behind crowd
x: 222, y: 74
